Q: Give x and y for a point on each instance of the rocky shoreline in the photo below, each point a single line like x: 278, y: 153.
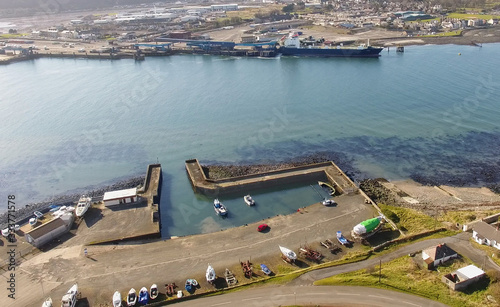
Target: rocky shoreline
x: 70, y: 199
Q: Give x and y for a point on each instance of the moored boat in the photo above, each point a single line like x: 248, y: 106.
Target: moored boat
x: 328, y: 202
x: 83, y: 205
x: 132, y: 297
x: 117, y: 299
x: 143, y: 296
x: 219, y: 208
x: 69, y: 299
x: 153, y: 291
x: 331, y: 189
x: 210, y: 275
x: 288, y: 253
x: 292, y: 46
x: 249, y: 200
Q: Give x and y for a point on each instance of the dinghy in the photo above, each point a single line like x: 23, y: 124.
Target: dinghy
x: 210, y: 274
x: 131, y: 297
x: 117, y: 299
x: 153, y: 291
x: 143, y: 296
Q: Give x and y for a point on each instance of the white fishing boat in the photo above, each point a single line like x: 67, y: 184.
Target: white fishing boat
x: 328, y: 202
x: 131, y: 297
x: 83, y: 205
x: 69, y: 299
x: 117, y: 299
x: 249, y: 200
x: 47, y: 302
x: 153, y: 291
x: 219, y: 208
x: 210, y: 274
x: 288, y: 253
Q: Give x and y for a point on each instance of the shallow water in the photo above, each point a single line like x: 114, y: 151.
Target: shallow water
x: 427, y: 114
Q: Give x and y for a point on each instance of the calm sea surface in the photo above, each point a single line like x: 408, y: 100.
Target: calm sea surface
x: 428, y: 114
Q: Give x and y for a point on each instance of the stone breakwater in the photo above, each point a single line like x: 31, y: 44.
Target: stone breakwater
x: 218, y: 171
x: 70, y: 199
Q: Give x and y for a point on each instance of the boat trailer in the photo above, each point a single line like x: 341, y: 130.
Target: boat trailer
x: 247, y: 268
x: 310, y: 254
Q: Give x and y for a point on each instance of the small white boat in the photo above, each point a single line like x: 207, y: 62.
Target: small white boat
x: 117, y: 299
x: 179, y: 293
x: 219, y: 208
x: 6, y: 232
x: 210, y: 274
x: 153, y: 291
x: 47, y: 302
x: 288, y: 253
x: 249, y: 200
x: 69, y: 299
x: 83, y: 205
x: 38, y: 214
x: 33, y: 221
x: 131, y: 297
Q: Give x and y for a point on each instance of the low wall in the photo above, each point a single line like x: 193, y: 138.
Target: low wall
x: 310, y: 172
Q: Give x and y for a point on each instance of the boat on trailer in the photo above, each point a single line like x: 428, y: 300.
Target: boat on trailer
x: 143, y: 296
x: 153, y: 291
x: 265, y: 269
x: 131, y: 297
x: 69, y: 299
x: 47, y: 302
x: 117, y: 299
x: 210, y: 274
x: 83, y: 205
x: 288, y: 253
x: 341, y: 238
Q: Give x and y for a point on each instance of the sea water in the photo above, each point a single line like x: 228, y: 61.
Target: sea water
x: 430, y: 113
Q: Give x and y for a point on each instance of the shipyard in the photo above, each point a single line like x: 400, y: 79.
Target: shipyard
x: 244, y: 212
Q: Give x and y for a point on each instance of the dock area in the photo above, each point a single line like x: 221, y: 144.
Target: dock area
x: 100, y: 224
x: 325, y: 171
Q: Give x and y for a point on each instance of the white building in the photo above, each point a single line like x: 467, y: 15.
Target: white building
x: 486, y: 234
x: 51, y: 230
x: 120, y: 197
x: 437, y: 255
x: 462, y: 278
x: 224, y: 7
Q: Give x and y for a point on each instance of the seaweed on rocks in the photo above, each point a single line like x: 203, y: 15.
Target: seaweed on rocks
x: 377, y: 192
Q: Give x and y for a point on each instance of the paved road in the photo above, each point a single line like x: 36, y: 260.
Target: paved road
x: 460, y: 243
x: 313, y: 295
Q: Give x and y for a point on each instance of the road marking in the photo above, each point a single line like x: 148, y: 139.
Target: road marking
x: 219, y: 304
x: 381, y: 297
x: 411, y: 303
x: 353, y: 294
x: 252, y: 298
x: 283, y: 295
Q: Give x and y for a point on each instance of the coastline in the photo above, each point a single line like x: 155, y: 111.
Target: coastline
x: 474, y: 37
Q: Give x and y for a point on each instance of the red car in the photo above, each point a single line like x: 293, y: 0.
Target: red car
x: 262, y: 227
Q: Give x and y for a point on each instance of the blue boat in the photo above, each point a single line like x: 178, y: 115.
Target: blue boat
x: 143, y: 296
x: 191, y: 285
x: 341, y: 238
x: 265, y: 269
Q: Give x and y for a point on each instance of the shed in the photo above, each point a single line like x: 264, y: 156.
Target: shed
x: 120, y: 197
x: 437, y: 255
x: 462, y: 278
x: 50, y: 231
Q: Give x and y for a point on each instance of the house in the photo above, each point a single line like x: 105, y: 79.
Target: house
x: 119, y: 197
x: 462, y: 278
x: 50, y: 231
x: 486, y: 234
x: 437, y: 255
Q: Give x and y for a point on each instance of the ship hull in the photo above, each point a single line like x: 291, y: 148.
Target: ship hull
x: 369, y: 52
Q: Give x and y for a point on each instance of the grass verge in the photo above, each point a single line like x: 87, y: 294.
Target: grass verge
x: 408, y: 220
x: 405, y: 275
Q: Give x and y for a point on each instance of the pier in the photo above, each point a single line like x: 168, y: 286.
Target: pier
x: 319, y: 171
